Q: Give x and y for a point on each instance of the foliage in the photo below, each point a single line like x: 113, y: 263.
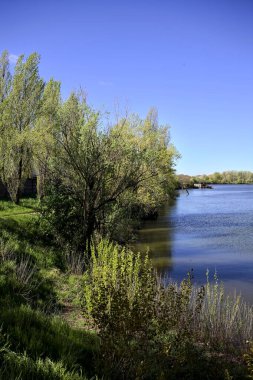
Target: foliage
x: 43, y: 136
x: 232, y: 177
x: 39, y: 345
x: 149, y: 330
x: 121, y: 304
x: 18, y: 112
x: 225, y: 322
x: 5, y: 76
x: 102, y: 179
x: 21, y: 281
x: 96, y: 180
x: 248, y: 357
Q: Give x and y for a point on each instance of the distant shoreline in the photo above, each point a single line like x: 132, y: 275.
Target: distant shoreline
x: 191, y: 186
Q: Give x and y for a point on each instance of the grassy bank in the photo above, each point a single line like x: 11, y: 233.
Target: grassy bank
x: 116, y: 320
x: 35, y: 340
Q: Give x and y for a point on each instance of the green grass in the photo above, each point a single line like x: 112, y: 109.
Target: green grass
x: 47, y: 337
x: 35, y: 340
x: 20, y: 226
x: 20, y: 366
x: 26, y: 206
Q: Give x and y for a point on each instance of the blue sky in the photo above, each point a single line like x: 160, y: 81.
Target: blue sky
x: 192, y: 59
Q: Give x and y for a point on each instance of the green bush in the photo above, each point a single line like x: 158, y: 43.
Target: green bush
x: 129, y: 307
x: 121, y: 304
x: 151, y: 330
x: 62, y: 216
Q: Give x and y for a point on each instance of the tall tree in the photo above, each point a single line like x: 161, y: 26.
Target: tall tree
x: 19, y: 112
x: 5, y: 83
x: 43, y: 136
x: 153, y: 178
x: 96, y: 170
x: 5, y: 76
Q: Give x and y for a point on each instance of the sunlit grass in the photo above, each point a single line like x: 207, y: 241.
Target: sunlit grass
x: 26, y: 206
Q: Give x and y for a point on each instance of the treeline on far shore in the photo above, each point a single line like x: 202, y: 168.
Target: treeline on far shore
x: 226, y: 177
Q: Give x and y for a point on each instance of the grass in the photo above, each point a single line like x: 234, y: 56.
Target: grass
x: 47, y: 337
x: 225, y: 322
x: 20, y: 366
x: 35, y: 341
x: 23, y: 231
x: 26, y: 206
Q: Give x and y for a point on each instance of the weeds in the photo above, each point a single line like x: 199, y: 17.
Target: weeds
x: 151, y: 331
x: 225, y: 322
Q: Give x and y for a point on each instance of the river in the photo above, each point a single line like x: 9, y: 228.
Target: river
x: 207, y: 229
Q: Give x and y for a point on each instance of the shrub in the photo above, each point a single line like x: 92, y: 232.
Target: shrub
x: 152, y: 330
x: 143, y: 325
x: 121, y: 303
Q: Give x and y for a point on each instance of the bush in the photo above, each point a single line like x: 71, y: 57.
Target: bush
x: 62, y: 216
x: 121, y: 305
x: 152, y: 330
x: 126, y: 303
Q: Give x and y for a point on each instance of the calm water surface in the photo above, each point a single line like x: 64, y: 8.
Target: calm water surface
x: 207, y: 229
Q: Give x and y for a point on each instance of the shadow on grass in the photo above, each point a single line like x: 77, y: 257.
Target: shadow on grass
x: 29, y: 238
x: 40, y: 336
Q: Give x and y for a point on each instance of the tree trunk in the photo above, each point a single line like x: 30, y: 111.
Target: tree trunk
x: 89, y: 233
x: 20, y: 170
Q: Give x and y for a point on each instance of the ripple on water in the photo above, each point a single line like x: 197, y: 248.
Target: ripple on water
x: 207, y: 229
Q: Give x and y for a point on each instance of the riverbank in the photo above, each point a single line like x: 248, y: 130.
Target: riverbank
x: 230, y: 177
x: 50, y: 331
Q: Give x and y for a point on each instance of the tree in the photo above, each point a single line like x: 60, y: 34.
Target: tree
x: 96, y: 170
x: 18, y: 114
x: 5, y: 76
x: 43, y: 136
x: 5, y: 81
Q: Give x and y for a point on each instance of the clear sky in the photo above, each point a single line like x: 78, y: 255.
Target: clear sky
x: 192, y: 59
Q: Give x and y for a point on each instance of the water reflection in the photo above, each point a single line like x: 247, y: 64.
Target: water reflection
x: 156, y: 237
x: 208, y: 229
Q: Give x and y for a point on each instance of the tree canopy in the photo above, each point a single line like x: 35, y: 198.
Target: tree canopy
x: 21, y: 95
x: 93, y: 177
